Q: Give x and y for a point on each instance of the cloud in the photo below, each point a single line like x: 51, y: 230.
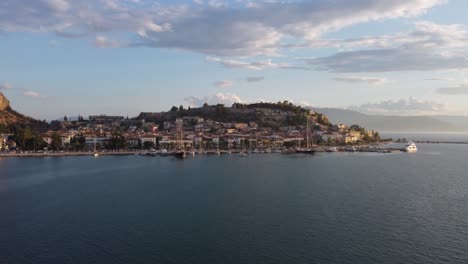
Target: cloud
x: 253, y: 65
x: 214, y: 27
x: 6, y: 86
x: 104, y: 42
x: 461, y: 89
x: 255, y: 78
x: 401, y: 107
x: 441, y: 79
x: 33, y: 94
x: 427, y: 47
x: 219, y: 98
x: 223, y: 84
x: 361, y: 79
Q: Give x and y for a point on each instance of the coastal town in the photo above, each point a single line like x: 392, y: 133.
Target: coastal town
x: 279, y: 127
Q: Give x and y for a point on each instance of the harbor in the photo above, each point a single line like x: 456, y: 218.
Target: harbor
x: 187, y: 153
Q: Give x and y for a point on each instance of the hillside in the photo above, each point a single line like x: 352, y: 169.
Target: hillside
x: 8, y: 116
x: 397, y: 123
x: 264, y: 114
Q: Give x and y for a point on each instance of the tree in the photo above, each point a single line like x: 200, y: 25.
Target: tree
x: 117, y: 141
x: 181, y: 108
x: 205, y: 105
x: 65, y: 118
x: 174, y: 109
x: 56, y: 141
x: 78, y: 142
x: 25, y: 138
x: 377, y: 136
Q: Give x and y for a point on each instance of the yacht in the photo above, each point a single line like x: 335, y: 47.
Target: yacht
x: 332, y: 149
x: 305, y: 151
x: 411, y: 147
x: 180, y: 154
x: 163, y: 152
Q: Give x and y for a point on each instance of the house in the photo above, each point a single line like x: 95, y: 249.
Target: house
x: 348, y: 139
x: 133, y: 142
x: 241, y: 126
x: 332, y: 137
x: 93, y: 140
x: 152, y: 139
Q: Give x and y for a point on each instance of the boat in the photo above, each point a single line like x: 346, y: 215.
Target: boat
x: 332, y: 149
x: 163, y: 152
x: 307, y: 149
x: 351, y: 149
x: 96, y: 154
x: 411, y: 147
x: 180, y: 154
x: 242, y: 154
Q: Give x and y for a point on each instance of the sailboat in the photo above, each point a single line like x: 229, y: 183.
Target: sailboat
x: 217, y: 151
x: 95, y: 152
x: 306, y: 150
x: 180, y: 153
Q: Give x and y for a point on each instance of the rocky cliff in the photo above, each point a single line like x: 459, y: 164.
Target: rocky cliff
x: 8, y: 116
x: 4, y: 103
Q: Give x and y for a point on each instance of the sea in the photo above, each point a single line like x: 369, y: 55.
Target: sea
x: 264, y: 208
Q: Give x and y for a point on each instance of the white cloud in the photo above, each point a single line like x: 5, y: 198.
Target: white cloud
x: 6, y: 86
x: 34, y: 94
x: 361, y: 79
x: 219, y: 98
x: 255, y: 78
x: 401, y: 107
x: 104, y: 42
x: 461, y: 89
x: 253, y: 65
x: 441, y: 79
x: 223, y: 84
x: 427, y: 47
x: 219, y: 28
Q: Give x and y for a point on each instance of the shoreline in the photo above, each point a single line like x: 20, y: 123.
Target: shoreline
x: 64, y: 154
x: 351, y: 148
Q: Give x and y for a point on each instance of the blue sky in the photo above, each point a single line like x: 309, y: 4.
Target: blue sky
x: 123, y: 57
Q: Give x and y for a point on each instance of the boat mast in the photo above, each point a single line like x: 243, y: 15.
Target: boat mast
x: 307, y: 132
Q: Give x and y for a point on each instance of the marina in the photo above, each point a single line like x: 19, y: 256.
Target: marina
x: 182, y: 154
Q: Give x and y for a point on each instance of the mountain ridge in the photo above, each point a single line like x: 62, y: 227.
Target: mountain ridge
x: 394, y: 123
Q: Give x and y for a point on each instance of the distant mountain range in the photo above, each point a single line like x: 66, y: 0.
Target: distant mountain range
x: 436, y: 123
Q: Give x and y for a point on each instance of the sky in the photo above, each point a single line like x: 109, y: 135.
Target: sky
x: 122, y: 57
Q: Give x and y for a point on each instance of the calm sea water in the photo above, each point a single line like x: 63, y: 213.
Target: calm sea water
x: 443, y: 137
x: 327, y: 208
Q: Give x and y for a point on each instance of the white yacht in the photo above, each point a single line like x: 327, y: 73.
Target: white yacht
x: 164, y: 152
x: 411, y: 147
